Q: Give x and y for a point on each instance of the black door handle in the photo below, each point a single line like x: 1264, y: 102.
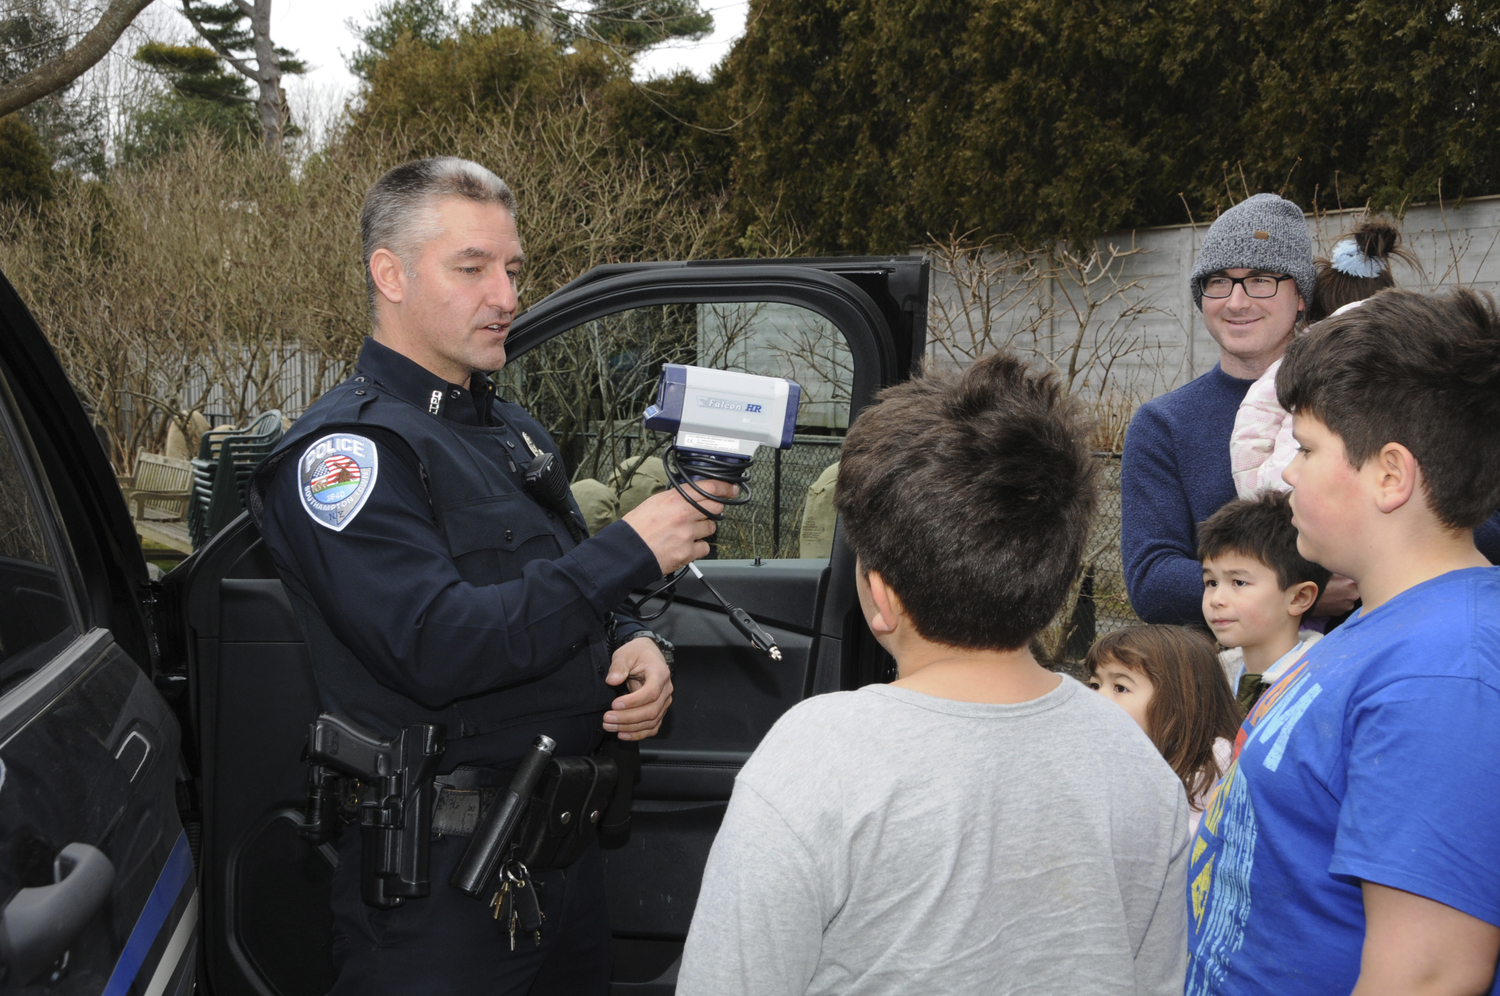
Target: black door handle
x: 39, y: 924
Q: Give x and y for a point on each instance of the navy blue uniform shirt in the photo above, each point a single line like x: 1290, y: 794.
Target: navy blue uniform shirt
x: 388, y: 587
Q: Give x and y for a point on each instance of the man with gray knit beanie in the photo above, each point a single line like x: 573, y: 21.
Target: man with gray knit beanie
x: 1252, y: 281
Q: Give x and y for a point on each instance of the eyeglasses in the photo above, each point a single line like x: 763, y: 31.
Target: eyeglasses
x: 1256, y: 285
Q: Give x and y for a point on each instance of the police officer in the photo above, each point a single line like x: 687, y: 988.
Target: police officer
x: 431, y: 588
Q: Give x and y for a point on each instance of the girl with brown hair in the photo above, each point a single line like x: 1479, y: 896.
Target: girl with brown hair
x: 1169, y: 680
x: 1358, y: 267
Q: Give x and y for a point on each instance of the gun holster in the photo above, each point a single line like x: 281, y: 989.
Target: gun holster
x: 395, y: 791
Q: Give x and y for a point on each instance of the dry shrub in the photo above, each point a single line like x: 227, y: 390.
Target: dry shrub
x: 1073, y: 311
x: 208, y: 269
x: 1112, y: 411
x: 215, y: 277
x: 1081, y: 314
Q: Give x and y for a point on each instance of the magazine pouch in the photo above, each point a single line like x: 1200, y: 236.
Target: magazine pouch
x: 565, y: 810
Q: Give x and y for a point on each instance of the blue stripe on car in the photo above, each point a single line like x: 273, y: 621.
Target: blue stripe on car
x: 177, y: 872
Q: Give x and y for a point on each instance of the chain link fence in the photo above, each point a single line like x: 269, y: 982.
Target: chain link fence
x: 770, y: 525
x: 1111, y: 604
x: 1101, y: 604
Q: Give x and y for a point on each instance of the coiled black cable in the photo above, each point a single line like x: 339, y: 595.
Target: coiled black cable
x: 684, y: 471
x: 665, y: 589
x: 687, y: 469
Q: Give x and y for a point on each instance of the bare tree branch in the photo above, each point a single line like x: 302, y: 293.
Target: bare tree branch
x: 53, y: 76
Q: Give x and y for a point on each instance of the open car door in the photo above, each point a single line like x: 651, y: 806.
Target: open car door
x: 585, y: 362
x: 97, y: 892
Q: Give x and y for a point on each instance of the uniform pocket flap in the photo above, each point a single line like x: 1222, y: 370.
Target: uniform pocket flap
x: 498, y: 522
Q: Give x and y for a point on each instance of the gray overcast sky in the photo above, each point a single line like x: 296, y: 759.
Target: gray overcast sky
x: 315, y: 30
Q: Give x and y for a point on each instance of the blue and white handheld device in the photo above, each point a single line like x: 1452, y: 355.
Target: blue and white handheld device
x: 722, y: 413
x: 719, y: 419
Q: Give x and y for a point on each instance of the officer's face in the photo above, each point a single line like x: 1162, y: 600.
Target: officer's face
x: 458, y: 303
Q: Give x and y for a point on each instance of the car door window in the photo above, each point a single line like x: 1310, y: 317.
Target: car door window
x: 591, y: 384
x: 36, y: 616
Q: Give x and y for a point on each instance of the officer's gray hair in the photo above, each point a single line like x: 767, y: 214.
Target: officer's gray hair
x: 397, y: 211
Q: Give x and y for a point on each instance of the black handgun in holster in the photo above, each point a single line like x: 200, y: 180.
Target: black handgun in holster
x: 395, y: 791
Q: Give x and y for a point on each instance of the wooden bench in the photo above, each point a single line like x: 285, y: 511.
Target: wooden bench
x: 158, y: 496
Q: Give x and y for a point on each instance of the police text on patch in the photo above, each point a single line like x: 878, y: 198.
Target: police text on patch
x: 335, y: 477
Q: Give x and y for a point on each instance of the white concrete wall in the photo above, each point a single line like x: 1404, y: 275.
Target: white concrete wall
x: 1453, y: 246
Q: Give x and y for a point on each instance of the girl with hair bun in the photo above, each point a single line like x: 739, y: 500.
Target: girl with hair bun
x: 1359, y: 266
x: 1261, y: 444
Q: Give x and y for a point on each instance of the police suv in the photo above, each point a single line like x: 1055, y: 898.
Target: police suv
x: 152, y: 729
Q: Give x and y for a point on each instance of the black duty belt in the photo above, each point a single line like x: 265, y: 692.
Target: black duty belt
x: 576, y: 798
x: 462, y: 796
x: 390, y: 789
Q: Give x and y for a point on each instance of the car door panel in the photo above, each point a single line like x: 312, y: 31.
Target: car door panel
x: 780, y: 592
x: 727, y: 695
x: 97, y: 892
x: 652, y: 879
x: 90, y: 753
x: 265, y: 890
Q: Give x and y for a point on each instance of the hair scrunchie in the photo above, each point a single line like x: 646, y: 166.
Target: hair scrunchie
x: 1348, y: 260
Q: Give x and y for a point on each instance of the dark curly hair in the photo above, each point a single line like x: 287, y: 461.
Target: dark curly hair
x: 971, y: 495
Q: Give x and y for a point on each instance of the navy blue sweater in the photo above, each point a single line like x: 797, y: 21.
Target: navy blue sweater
x: 1174, y: 474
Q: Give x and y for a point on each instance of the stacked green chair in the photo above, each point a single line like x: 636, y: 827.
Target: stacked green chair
x: 226, y: 458
x: 204, y: 466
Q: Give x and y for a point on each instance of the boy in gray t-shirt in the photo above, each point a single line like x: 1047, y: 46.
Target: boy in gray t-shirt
x: 981, y: 825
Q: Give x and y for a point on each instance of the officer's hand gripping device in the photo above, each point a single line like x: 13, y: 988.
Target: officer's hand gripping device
x: 719, y: 418
x: 395, y: 804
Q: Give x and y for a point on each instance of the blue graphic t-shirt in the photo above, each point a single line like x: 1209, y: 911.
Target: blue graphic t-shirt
x: 1376, y: 757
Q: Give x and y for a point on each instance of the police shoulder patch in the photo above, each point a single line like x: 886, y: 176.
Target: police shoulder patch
x: 335, y: 476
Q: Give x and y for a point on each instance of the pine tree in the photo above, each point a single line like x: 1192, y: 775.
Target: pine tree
x: 201, y: 96
x: 425, y: 22
x: 68, y: 123
x: 239, y: 32
x: 626, y: 25
x: 25, y: 166
x: 868, y: 124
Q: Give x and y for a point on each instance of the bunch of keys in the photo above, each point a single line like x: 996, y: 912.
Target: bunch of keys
x: 516, y: 903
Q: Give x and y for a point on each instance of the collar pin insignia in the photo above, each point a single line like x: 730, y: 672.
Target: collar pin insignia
x: 436, y: 403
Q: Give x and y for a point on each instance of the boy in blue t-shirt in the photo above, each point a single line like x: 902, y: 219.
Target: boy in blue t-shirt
x: 1354, y: 844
